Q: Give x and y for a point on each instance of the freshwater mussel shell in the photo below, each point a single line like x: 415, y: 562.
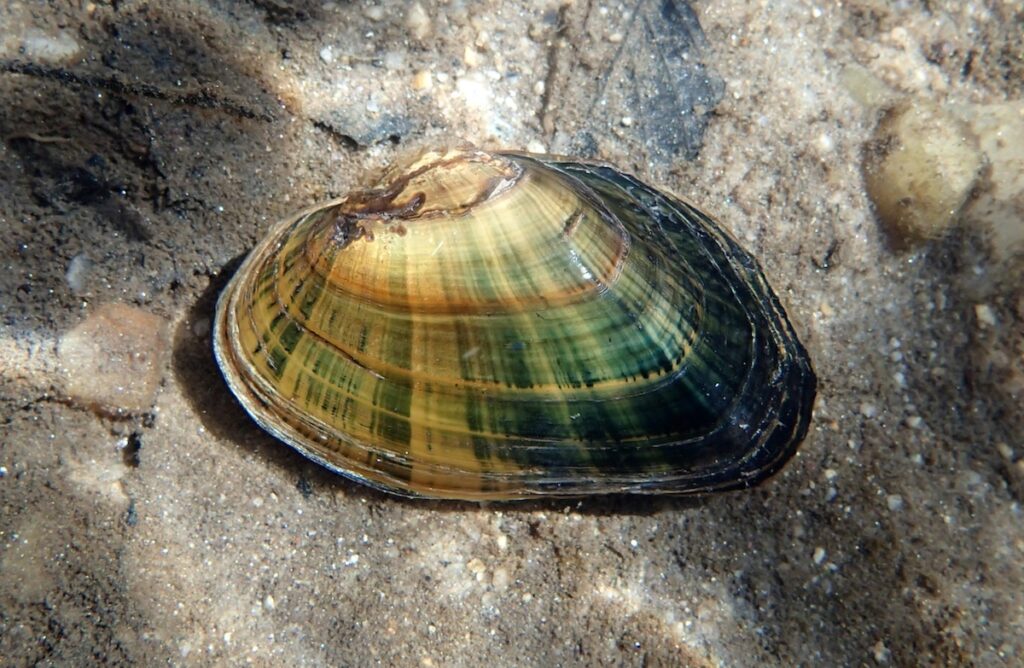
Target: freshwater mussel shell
x: 507, y: 325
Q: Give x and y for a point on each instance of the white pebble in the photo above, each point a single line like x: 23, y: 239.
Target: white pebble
x: 986, y: 315
x: 41, y: 47
x: 268, y: 602
x: 201, y: 327
x: 327, y: 54
x: 418, y: 21
x: 78, y: 273
x: 868, y: 410
x: 471, y: 57
x: 894, y: 501
x: 476, y: 92
x: 819, y: 555
x: 500, y: 579
x: 394, y: 60
x: 374, y: 12
x: 881, y: 653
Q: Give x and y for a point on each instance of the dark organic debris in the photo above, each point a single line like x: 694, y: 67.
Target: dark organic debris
x: 61, y: 185
x: 355, y: 130
x: 203, y: 99
x: 654, y: 89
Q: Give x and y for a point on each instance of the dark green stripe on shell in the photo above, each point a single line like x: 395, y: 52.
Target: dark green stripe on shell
x: 509, y: 325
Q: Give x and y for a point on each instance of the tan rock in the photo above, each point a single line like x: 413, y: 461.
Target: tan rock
x: 114, y: 360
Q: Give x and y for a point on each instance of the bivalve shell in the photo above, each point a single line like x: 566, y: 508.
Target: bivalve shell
x: 506, y: 325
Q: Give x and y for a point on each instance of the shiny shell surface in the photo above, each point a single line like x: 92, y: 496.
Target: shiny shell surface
x: 507, y: 325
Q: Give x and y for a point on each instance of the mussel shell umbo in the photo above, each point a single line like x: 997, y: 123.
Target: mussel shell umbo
x: 504, y: 325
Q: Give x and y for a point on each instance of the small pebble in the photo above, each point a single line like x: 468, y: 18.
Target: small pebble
x: 394, y: 60
x: 627, y: 121
x: 500, y: 579
x: 201, y: 327
x: 418, y: 21
x: 475, y: 91
x: 374, y: 12
x: 894, y: 501
x: 422, y: 80
x: 819, y: 555
x: 114, y: 360
x: 471, y: 57
x: 42, y: 47
x: 986, y: 315
x: 268, y: 602
x: 881, y: 653
x: 919, y: 170
x: 476, y: 567
x: 327, y: 54
x: 868, y: 410
x: 77, y: 275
